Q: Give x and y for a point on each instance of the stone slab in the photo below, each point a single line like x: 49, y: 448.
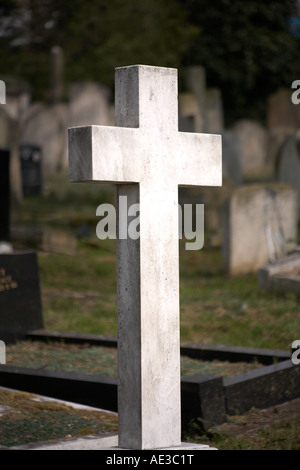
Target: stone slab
x: 286, y: 283
x: 285, y: 268
x: 109, y: 443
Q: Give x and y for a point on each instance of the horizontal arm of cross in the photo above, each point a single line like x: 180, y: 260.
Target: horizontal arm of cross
x: 122, y: 155
x: 199, y: 159
x: 100, y: 153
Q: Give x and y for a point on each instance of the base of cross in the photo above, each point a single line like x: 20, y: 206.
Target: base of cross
x: 108, y: 443
x: 112, y: 444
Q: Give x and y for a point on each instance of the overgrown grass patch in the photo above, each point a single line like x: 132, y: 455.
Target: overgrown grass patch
x: 26, y: 419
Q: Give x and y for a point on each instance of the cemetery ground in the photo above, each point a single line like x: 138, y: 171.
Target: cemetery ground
x: 78, y: 287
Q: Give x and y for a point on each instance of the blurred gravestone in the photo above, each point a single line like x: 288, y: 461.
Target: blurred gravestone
x: 9, y: 144
x: 45, y: 127
x: 18, y: 97
x: 89, y: 103
x: 253, y: 139
x: 20, y: 299
x: 214, y: 111
x: 287, y: 166
x: 190, y: 118
x: 231, y: 157
x: 31, y: 168
x: 281, y: 111
x: 57, y: 74
x: 260, y: 226
x: 283, y: 120
x: 195, y: 83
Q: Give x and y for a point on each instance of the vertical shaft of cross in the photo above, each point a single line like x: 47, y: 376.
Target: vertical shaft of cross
x: 148, y: 282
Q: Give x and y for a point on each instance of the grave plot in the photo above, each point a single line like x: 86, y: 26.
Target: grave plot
x: 260, y: 379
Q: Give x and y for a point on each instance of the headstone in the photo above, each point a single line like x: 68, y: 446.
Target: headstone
x: 44, y: 126
x: 260, y: 226
x: 287, y: 168
x: 89, y: 102
x: 57, y: 75
x: 9, y: 135
x: 195, y: 83
x: 214, y: 111
x: 190, y: 118
x: 18, y: 97
x: 31, y: 169
x: 20, y: 300
x: 147, y: 158
x: 276, y: 138
x: 232, y: 157
x: 253, y: 138
x: 281, y: 111
x: 283, y: 120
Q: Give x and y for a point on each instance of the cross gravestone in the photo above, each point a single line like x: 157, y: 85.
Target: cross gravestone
x: 148, y: 159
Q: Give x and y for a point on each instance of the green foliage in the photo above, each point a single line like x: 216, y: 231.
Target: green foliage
x: 95, y: 36
x: 246, y: 49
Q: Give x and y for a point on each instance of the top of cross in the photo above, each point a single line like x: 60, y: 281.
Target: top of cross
x: 146, y: 145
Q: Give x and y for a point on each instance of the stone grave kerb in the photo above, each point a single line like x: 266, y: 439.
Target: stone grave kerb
x: 147, y: 158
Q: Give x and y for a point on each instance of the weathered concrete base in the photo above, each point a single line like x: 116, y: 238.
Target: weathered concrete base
x: 109, y: 443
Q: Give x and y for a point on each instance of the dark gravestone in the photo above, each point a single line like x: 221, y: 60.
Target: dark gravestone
x: 31, y: 168
x: 4, y: 196
x: 20, y: 299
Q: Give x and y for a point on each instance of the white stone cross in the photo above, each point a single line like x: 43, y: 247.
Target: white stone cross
x: 148, y: 159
